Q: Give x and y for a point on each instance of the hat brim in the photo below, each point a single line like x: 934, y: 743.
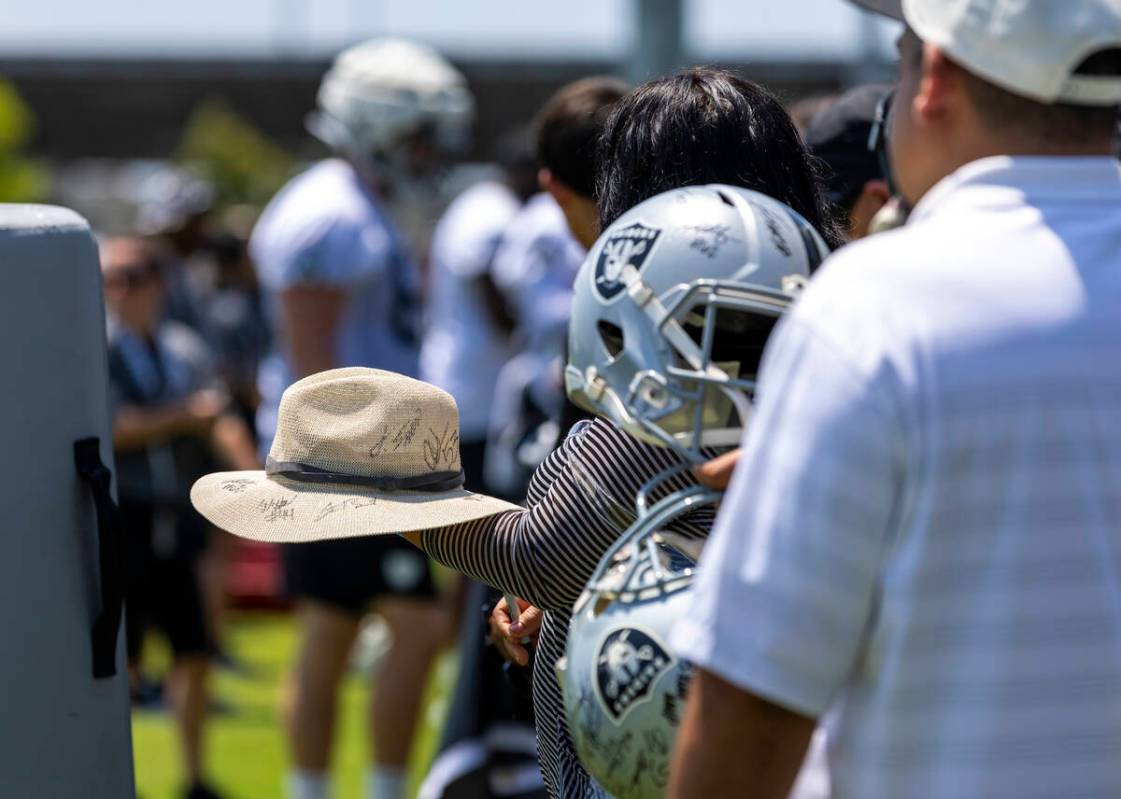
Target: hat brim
x: 887, y: 8
x: 278, y: 510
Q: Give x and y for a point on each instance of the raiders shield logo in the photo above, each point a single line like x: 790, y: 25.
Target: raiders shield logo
x: 628, y: 246
x: 630, y: 662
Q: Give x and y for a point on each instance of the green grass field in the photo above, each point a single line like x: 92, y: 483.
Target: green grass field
x: 245, y: 746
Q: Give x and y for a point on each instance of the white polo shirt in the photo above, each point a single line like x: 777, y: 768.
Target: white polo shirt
x: 923, y: 539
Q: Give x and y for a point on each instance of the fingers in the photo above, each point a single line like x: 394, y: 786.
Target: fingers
x: 514, y: 651
x: 508, y: 635
x: 717, y: 472
x: 528, y: 622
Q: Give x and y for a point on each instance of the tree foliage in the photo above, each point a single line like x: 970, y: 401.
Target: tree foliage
x: 22, y: 179
x: 243, y: 165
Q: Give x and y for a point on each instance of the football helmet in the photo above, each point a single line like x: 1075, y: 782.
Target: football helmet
x: 673, y: 305
x: 382, y: 90
x: 624, y: 689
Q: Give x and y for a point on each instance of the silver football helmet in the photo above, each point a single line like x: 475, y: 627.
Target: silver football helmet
x: 673, y: 305
x: 624, y: 689
x: 379, y: 91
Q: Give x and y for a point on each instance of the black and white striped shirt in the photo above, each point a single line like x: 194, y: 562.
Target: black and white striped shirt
x: 580, y: 499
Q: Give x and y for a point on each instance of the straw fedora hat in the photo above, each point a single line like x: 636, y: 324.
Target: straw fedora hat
x: 357, y: 452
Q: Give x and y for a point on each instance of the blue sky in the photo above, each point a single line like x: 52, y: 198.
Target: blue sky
x: 740, y: 29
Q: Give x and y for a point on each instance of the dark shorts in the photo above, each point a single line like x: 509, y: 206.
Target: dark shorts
x: 350, y: 573
x: 162, y: 581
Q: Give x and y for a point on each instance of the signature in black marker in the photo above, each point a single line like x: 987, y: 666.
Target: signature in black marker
x: 236, y: 486
x: 404, y: 436
x: 352, y: 503
x: 442, y: 449
x: 401, y: 437
x: 275, y: 510
x: 775, y: 230
x: 379, y: 446
x: 709, y: 239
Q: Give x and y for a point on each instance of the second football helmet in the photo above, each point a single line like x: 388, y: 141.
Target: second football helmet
x: 673, y: 305
x: 624, y: 688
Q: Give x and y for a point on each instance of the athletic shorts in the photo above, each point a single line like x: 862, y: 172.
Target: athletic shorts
x: 350, y: 573
x: 162, y: 580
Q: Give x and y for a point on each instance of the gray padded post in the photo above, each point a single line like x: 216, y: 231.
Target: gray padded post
x: 63, y: 733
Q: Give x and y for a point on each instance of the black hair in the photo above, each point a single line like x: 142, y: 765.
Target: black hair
x: 513, y: 154
x: 706, y: 125
x: 568, y: 127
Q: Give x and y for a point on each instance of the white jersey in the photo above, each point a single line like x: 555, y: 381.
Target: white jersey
x: 325, y: 228
x: 536, y: 266
x: 463, y: 349
x: 923, y: 539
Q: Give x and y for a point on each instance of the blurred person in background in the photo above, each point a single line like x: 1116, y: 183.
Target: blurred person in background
x: 488, y: 736
x: 171, y: 424
x: 212, y: 289
x: 840, y: 136
x: 468, y: 326
x: 174, y: 209
x: 342, y: 290
x: 541, y: 251
x: 803, y: 111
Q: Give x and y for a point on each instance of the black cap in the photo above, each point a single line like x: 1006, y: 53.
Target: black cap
x: 839, y: 135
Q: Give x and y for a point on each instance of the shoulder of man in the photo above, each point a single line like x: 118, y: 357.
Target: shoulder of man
x: 885, y: 269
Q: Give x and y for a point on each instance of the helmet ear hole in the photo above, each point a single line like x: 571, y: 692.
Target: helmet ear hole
x: 612, y: 337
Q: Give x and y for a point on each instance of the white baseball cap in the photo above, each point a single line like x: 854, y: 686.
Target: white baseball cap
x: 1029, y: 47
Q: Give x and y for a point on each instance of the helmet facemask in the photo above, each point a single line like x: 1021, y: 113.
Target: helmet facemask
x: 672, y: 310
x: 691, y: 386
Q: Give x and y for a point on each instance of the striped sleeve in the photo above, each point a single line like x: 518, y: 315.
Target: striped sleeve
x: 581, y: 499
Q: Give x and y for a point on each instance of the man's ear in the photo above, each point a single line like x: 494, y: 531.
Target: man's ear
x: 555, y: 186
x: 938, y: 87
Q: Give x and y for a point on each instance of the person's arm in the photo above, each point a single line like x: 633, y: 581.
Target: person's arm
x: 136, y: 426
x: 734, y: 745
x: 232, y: 443
x: 310, y: 320
x: 495, y: 302
x: 717, y: 473
x: 545, y: 554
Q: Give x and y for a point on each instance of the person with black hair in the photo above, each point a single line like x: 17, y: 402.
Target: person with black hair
x: 706, y: 125
x: 550, y: 549
x: 838, y: 136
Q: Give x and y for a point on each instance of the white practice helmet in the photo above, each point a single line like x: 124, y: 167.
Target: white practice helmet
x: 383, y: 89
x: 672, y: 308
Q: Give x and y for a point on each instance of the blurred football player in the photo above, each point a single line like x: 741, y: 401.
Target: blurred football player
x: 342, y: 290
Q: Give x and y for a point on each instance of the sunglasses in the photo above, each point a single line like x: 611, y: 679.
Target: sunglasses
x: 130, y: 278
